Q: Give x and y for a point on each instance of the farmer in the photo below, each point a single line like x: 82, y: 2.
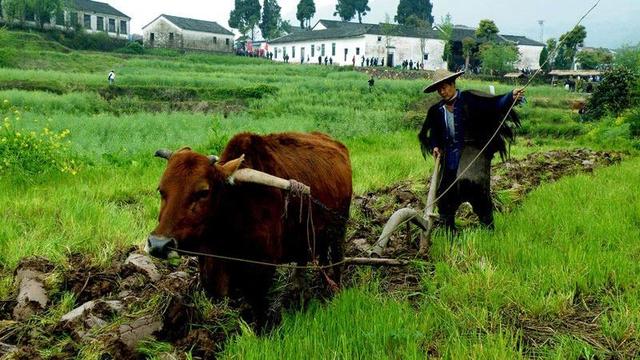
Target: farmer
x: 455, y: 130
x: 112, y: 77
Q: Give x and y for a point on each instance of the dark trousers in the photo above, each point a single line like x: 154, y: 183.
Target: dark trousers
x: 477, y: 194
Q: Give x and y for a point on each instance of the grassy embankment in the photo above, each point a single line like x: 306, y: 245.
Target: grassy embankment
x: 534, y: 265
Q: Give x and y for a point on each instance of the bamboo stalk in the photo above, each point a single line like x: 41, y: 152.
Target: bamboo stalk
x: 375, y: 262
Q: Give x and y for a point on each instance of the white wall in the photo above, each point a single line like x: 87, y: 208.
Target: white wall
x: 370, y: 47
x: 529, y: 57
x: 350, y: 44
x: 407, y: 48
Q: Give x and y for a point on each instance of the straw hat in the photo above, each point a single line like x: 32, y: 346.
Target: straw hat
x: 441, y: 76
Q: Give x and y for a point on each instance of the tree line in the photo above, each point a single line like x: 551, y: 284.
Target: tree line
x: 249, y: 15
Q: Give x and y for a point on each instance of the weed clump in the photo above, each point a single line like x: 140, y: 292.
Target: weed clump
x: 30, y: 153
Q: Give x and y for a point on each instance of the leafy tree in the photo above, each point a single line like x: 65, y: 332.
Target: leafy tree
x: 468, y: 46
x: 15, y: 9
x: 345, y: 9
x: 446, y: 33
x: 271, y: 19
x: 629, y: 57
x: 568, y: 47
x: 44, y: 9
x: 547, y: 55
x: 614, y: 94
x: 245, y: 16
x: 423, y: 27
x: 594, y: 59
x: 498, y: 58
x: 487, y: 30
x: 306, y: 10
x: 285, y: 27
x: 362, y: 7
x: 421, y: 9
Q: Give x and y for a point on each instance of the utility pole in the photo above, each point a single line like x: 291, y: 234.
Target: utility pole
x: 541, y: 23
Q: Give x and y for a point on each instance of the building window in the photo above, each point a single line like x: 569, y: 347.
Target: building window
x: 226, y: 41
x: 357, y: 51
x: 215, y: 39
x: 426, y: 57
x: 112, y: 25
x: 100, y: 23
x: 379, y: 38
x: 322, y: 50
x: 87, y: 21
x: 123, y: 27
x: 333, y: 49
x: 313, y: 50
x: 293, y: 52
x: 152, y: 37
x: 170, y: 36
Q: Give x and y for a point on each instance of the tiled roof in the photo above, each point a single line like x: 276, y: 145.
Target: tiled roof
x: 97, y: 7
x: 522, y: 40
x: 344, y: 29
x: 196, y: 25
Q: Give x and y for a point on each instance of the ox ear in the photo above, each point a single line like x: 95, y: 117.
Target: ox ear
x: 230, y: 167
x: 164, y: 153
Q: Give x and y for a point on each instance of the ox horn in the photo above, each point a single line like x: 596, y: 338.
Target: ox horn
x: 252, y: 176
x: 164, y: 153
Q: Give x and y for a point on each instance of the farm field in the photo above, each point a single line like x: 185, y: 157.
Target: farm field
x: 556, y: 279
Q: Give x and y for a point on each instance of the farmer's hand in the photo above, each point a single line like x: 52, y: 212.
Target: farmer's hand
x: 436, y: 152
x: 518, y: 94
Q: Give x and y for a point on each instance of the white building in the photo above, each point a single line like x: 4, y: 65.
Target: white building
x: 342, y: 42
x: 167, y: 31
x: 91, y: 16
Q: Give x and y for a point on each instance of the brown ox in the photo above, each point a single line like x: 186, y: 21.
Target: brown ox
x: 208, y: 207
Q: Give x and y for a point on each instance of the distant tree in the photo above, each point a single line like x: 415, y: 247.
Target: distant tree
x: 421, y: 9
x: 345, y: 9
x: 271, y: 19
x: 468, y: 46
x: 306, y: 10
x: 487, y: 31
x: 614, y: 94
x: 548, y: 54
x: 44, y: 10
x: 285, y: 27
x: 594, y: 59
x: 245, y: 16
x: 362, y: 7
x: 629, y: 58
x: 423, y: 27
x: 446, y: 33
x: 498, y: 59
x: 568, y: 47
x: 15, y: 9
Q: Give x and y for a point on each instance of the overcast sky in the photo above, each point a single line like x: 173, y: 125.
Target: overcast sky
x: 613, y: 24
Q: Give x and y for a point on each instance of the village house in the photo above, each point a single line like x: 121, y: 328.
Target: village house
x: 341, y: 41
x: 167, y: 31
x: 91, y: 16
x: 529, y: 50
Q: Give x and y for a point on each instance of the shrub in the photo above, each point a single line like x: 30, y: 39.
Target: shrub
x: 615, y: 94
x: 26, y: 154
x: 132, y: 48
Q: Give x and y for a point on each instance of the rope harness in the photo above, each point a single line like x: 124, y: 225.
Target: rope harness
x: 297, y: 190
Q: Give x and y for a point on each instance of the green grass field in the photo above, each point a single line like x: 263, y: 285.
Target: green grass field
x: 557, y: 279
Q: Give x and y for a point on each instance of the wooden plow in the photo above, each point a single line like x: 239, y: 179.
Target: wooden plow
x: 407, y: 215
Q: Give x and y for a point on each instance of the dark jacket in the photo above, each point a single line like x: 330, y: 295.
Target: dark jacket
x: 476, y: 117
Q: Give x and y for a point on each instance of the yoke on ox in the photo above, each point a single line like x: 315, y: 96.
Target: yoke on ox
x: 234, y: 207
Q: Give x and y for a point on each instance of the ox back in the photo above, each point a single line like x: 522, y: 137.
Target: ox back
x: 267, y: 224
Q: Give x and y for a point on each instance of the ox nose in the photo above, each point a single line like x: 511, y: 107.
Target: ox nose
x: 159, y: 246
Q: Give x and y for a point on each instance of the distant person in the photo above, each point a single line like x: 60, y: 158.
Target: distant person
x: 371, y: 83
x: 382, y: 62
x: 362, y: 62
x: 410, y: 64
x: 368, y: 61
x: 112, y: 77
x: 330, y: 61
x: 320, y: 60
x: 326, y: 60
x: 353, y: 61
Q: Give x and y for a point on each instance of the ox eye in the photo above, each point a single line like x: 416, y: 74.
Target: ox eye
x: 201, y: 195
x: 162, y: 194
